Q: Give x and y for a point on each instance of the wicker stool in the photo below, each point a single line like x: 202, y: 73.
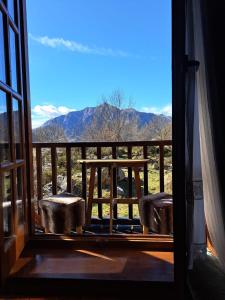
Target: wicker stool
x: 156, y: 211
x: 62, y: 213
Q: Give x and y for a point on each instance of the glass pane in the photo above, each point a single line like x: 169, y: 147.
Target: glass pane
x: 11, y: 9
x: 17, y: 128
x: 7, y: 204
x: 2, y: 51
x: 13, y: 60
x: 4, y: 129
x: 19, y: 196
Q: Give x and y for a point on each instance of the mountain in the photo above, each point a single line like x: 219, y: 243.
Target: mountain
x: 75, y: 123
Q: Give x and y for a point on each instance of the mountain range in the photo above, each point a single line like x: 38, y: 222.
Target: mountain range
x: 75, y: 123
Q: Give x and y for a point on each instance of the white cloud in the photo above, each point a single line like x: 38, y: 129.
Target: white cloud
x: 37, y: 122
x: 42, y: 113
x: 51, y: 110
x: 76, y: 47
x: 165, y: 110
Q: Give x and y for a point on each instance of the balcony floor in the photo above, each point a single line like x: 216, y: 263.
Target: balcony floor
x: 100, y: 264
x: 99, y: 268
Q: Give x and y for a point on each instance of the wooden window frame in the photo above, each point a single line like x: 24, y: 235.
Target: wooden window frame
x: 178, y: 95
x: 20, y: 96
x: 178, y: 117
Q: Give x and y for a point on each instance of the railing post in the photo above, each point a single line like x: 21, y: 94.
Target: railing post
x: 145, y: 154
x: 54, y: 170
x: 39, y: 175
x: 161, y: 166
x: 84, y: 174
x: 99, y: 155
x: 68, y: 168
x: 130, y: 194
x: 114, y: 155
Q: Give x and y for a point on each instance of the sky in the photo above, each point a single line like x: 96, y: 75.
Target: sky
x: 82, y: 50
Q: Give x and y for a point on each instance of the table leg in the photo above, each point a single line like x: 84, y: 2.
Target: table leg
x: 137, y: 183
x: 111, y: 201
x: 145, y: 230
x: 90, y: 195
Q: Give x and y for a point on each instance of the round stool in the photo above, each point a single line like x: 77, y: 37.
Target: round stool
x: 164, y: 208
x: 62, y: 213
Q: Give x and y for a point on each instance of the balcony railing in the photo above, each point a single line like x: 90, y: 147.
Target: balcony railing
x: 53, y: 159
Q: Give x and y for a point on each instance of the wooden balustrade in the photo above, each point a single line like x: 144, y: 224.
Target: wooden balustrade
x: 83, y: 149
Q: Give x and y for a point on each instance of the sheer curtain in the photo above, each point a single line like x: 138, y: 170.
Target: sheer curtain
x: 212, y: 188
x: 196, y: 241
x: 189, y: 130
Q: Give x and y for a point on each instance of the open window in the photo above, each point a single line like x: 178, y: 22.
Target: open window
x: 13, y: 163
x: 21, y: 212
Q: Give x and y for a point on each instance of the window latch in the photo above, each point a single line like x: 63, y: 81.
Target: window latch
x: 192, y: 64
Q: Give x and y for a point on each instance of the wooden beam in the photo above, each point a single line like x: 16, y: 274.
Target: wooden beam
x: 68, y: 169
x: 161, y: 167
x: 178, y: 133
x: 99, y: 156
x: 84, y: 174
x: 90, y: 195
x: 106, y: 144
x: 39, y: 174
x: 130, y: 184
x: 54, y: 169
x: 116, y: 200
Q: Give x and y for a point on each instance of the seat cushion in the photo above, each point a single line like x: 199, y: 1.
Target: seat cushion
x: 63, y: 212
x: 147, y: 205
x: 156, y: 196
x: 63, y: 199
x: 162, y: 202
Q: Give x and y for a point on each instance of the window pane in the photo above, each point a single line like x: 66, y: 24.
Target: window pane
x: 2, y: 50
x: 11, y: 9
x: 17, y: 128
x: 13, y: 60
x: 4, y: 129
x: 7, y: 204
x: 19, y: 197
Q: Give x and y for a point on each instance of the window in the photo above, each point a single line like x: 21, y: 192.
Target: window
x: 17, y: 127
x: 7, y: 204
x: 13, y: 60
x: 12, y: 162
x: 4, y: 133
x: 2, y: 50
x: 11, y: 8
x: 19, y: 197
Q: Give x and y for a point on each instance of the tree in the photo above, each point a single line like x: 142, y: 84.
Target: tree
x: 49, y: 134
x: 111, y: 122
x: 159, y: 128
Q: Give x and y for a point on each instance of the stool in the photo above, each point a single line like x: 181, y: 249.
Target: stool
x: 165, y: 214
x: 155, y: 211
x: 62, y: 213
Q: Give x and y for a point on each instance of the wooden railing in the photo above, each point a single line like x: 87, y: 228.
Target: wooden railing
x: 83, y: 147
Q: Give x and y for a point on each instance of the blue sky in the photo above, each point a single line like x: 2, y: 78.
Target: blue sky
x: 80, y: 50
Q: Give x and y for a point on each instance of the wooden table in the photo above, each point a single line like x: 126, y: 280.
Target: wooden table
x: 135, y: 164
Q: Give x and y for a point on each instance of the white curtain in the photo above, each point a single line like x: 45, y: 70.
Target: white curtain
x: 212, y: 195
x: 196, y: 240
x: 189, y: 131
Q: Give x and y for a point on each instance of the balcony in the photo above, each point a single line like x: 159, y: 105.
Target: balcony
x: 56, y: 170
